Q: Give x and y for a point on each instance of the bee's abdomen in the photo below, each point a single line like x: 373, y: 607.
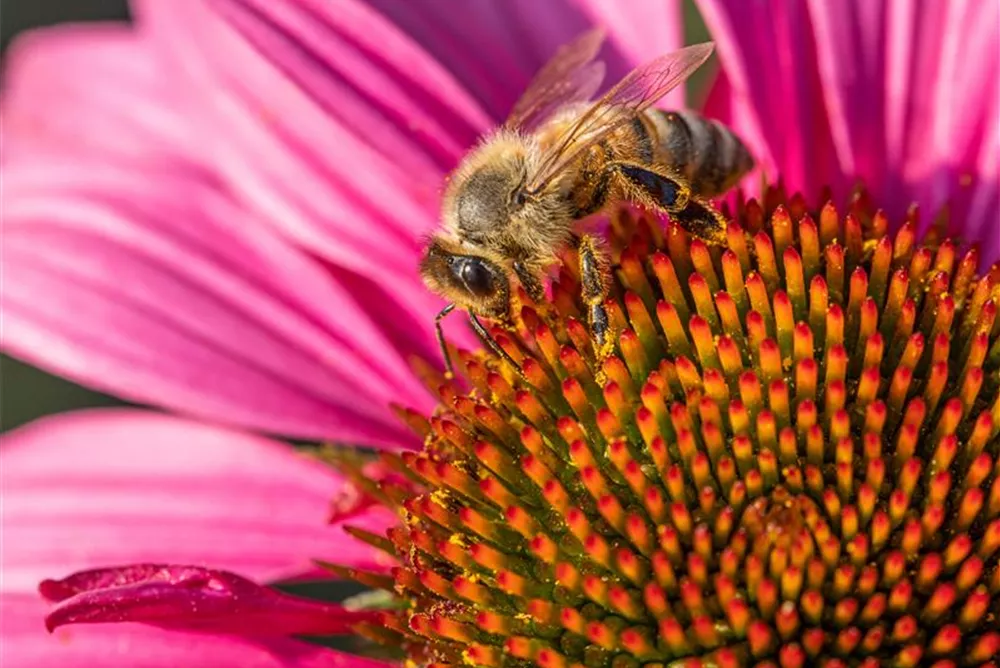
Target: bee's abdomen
x: 708, y: 153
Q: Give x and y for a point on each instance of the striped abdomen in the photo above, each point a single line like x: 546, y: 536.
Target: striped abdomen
x: 707, y: 153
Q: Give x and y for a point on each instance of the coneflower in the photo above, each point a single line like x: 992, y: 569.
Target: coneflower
x: 260, y: 174
x: 790, y: 459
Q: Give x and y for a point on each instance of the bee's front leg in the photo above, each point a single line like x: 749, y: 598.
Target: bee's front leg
x: 595, y: 285
x: 531, y: 282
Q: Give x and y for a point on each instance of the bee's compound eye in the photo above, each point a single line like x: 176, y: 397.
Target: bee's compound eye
x: 476, y: 277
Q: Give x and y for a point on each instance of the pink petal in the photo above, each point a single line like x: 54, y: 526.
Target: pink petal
x: 25, y: 644
x: 191, y: 598
x: 901, y: 95
x: 641, y: 29
x: 217, y: 318
x: 189, y: 359
x: 94, y: 88
x: 927, y: 73
x: 98, y: 488
x: 983, y: 193
x: 328, y: 120
x: 325, y: 359
x: 493, y: 48
x: 333, y: 127
x: 767, y: 50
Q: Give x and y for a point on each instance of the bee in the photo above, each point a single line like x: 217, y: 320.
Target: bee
x: 516, y: 200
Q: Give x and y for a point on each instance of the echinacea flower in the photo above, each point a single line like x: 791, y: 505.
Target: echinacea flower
x: 791, y: 454
x: 791, y: 459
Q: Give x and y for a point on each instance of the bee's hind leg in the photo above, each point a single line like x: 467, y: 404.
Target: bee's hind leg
x: 595, y: 285
x: 650, y: 187
x: 671, y: 194
x: 704, y: 221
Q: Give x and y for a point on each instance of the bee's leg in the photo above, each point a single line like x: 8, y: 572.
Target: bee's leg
x: 594, y: 288
x: 530, y: 281
x: 481, y: 331
x: 488, y: 339
x: 651, y: 187
x: 449, y: 371
x: 703, y: 220
x: 672, y: 195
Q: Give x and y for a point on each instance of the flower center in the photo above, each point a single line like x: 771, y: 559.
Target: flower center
x: 791, y: 457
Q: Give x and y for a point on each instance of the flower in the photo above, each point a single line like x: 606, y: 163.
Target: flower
x: 250, y: 304
x: 791, y: 458
x: 878, y: 92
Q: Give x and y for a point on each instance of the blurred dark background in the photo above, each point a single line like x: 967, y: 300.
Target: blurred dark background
x: 19, y: 15
x: 26, y: 392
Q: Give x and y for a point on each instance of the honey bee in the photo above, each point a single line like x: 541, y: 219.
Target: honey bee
x: 515, y: 201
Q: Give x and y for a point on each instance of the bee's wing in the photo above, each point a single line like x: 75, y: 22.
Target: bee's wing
x: 640, y: 89
x: 571, y: 76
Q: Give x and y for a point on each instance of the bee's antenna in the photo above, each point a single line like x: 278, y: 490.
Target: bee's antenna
x: 449, y: 371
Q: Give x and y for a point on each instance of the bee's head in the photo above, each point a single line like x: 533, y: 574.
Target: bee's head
x: 473, y: 282
x: 489, y: 197
x: 486, y: 192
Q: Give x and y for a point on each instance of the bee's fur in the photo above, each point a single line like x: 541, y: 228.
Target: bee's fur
x: 482, y: 216
x: 479, y: 211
